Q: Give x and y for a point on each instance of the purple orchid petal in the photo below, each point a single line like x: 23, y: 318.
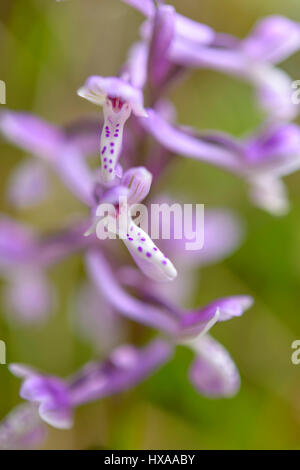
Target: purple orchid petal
x: 227, y: 60
x: 50, y: 393
x: 152, y: 262
x: 118, y: 98
x: 22, y: 429
x: 22, y: 371
x: 213, y: 373
x: 108, y: 286
x: 276, y: 142
x: 273, y: 39
x: 114, y: 194
x: 227, y: 308
x: 138, y: 180
x: 191, y: 30
x: 111, y: 140
x: 126, y: 367
x: 191, y: 323
x: 28, y: 184
x: 162, y: 37
x: 31, y: 134
x: 186, y: 29
x: 273, y: 153
x: 274, y: 92
x: 179, y: 141
x: 269, y: 193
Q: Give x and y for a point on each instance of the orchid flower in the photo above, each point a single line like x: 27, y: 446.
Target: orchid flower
x: 134, y: 187
x: 125, y: 367
x: 62, y: 150
x: 118, y: 98
x: 214, y: 249
x: 272, y: 40
x: 177, y: 41
x: 24, y: 258
x: 212, y: 374
x: 22, y: 429
x: 261, y: 159
x: 89, y: 319
x: 182, y: 327
x: 188, y: 327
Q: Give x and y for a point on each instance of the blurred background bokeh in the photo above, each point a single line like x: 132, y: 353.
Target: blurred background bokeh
x: 47, y: 50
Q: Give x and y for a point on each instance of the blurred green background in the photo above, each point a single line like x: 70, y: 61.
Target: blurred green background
x: 47, y: 50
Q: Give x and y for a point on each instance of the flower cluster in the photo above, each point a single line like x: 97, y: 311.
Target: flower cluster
x: 136, y: 144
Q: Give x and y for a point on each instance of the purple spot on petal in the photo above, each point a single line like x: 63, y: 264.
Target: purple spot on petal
x: 154, y: 248
x: 111, y: 151
x: 164, y: 262
x: 105, y: 166
x: 140, y: 249
x: 130, y: 239
x: 110, y: 170
x: 110, y: 161
x: 148, y: 254
x: 143, y: 239
x: 103, y: 150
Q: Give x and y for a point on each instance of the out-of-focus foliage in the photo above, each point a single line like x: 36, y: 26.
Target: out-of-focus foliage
x: 47, y: 50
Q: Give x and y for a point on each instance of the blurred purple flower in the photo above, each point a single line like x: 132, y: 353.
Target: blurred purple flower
x: 182, y: 326
x: 175, y: 41
x: 126, y: 367
x: 24, y: 259
x: 61, y: 152
x: 261, y: 160
x: 22, y: 429
x: 213, y: 373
